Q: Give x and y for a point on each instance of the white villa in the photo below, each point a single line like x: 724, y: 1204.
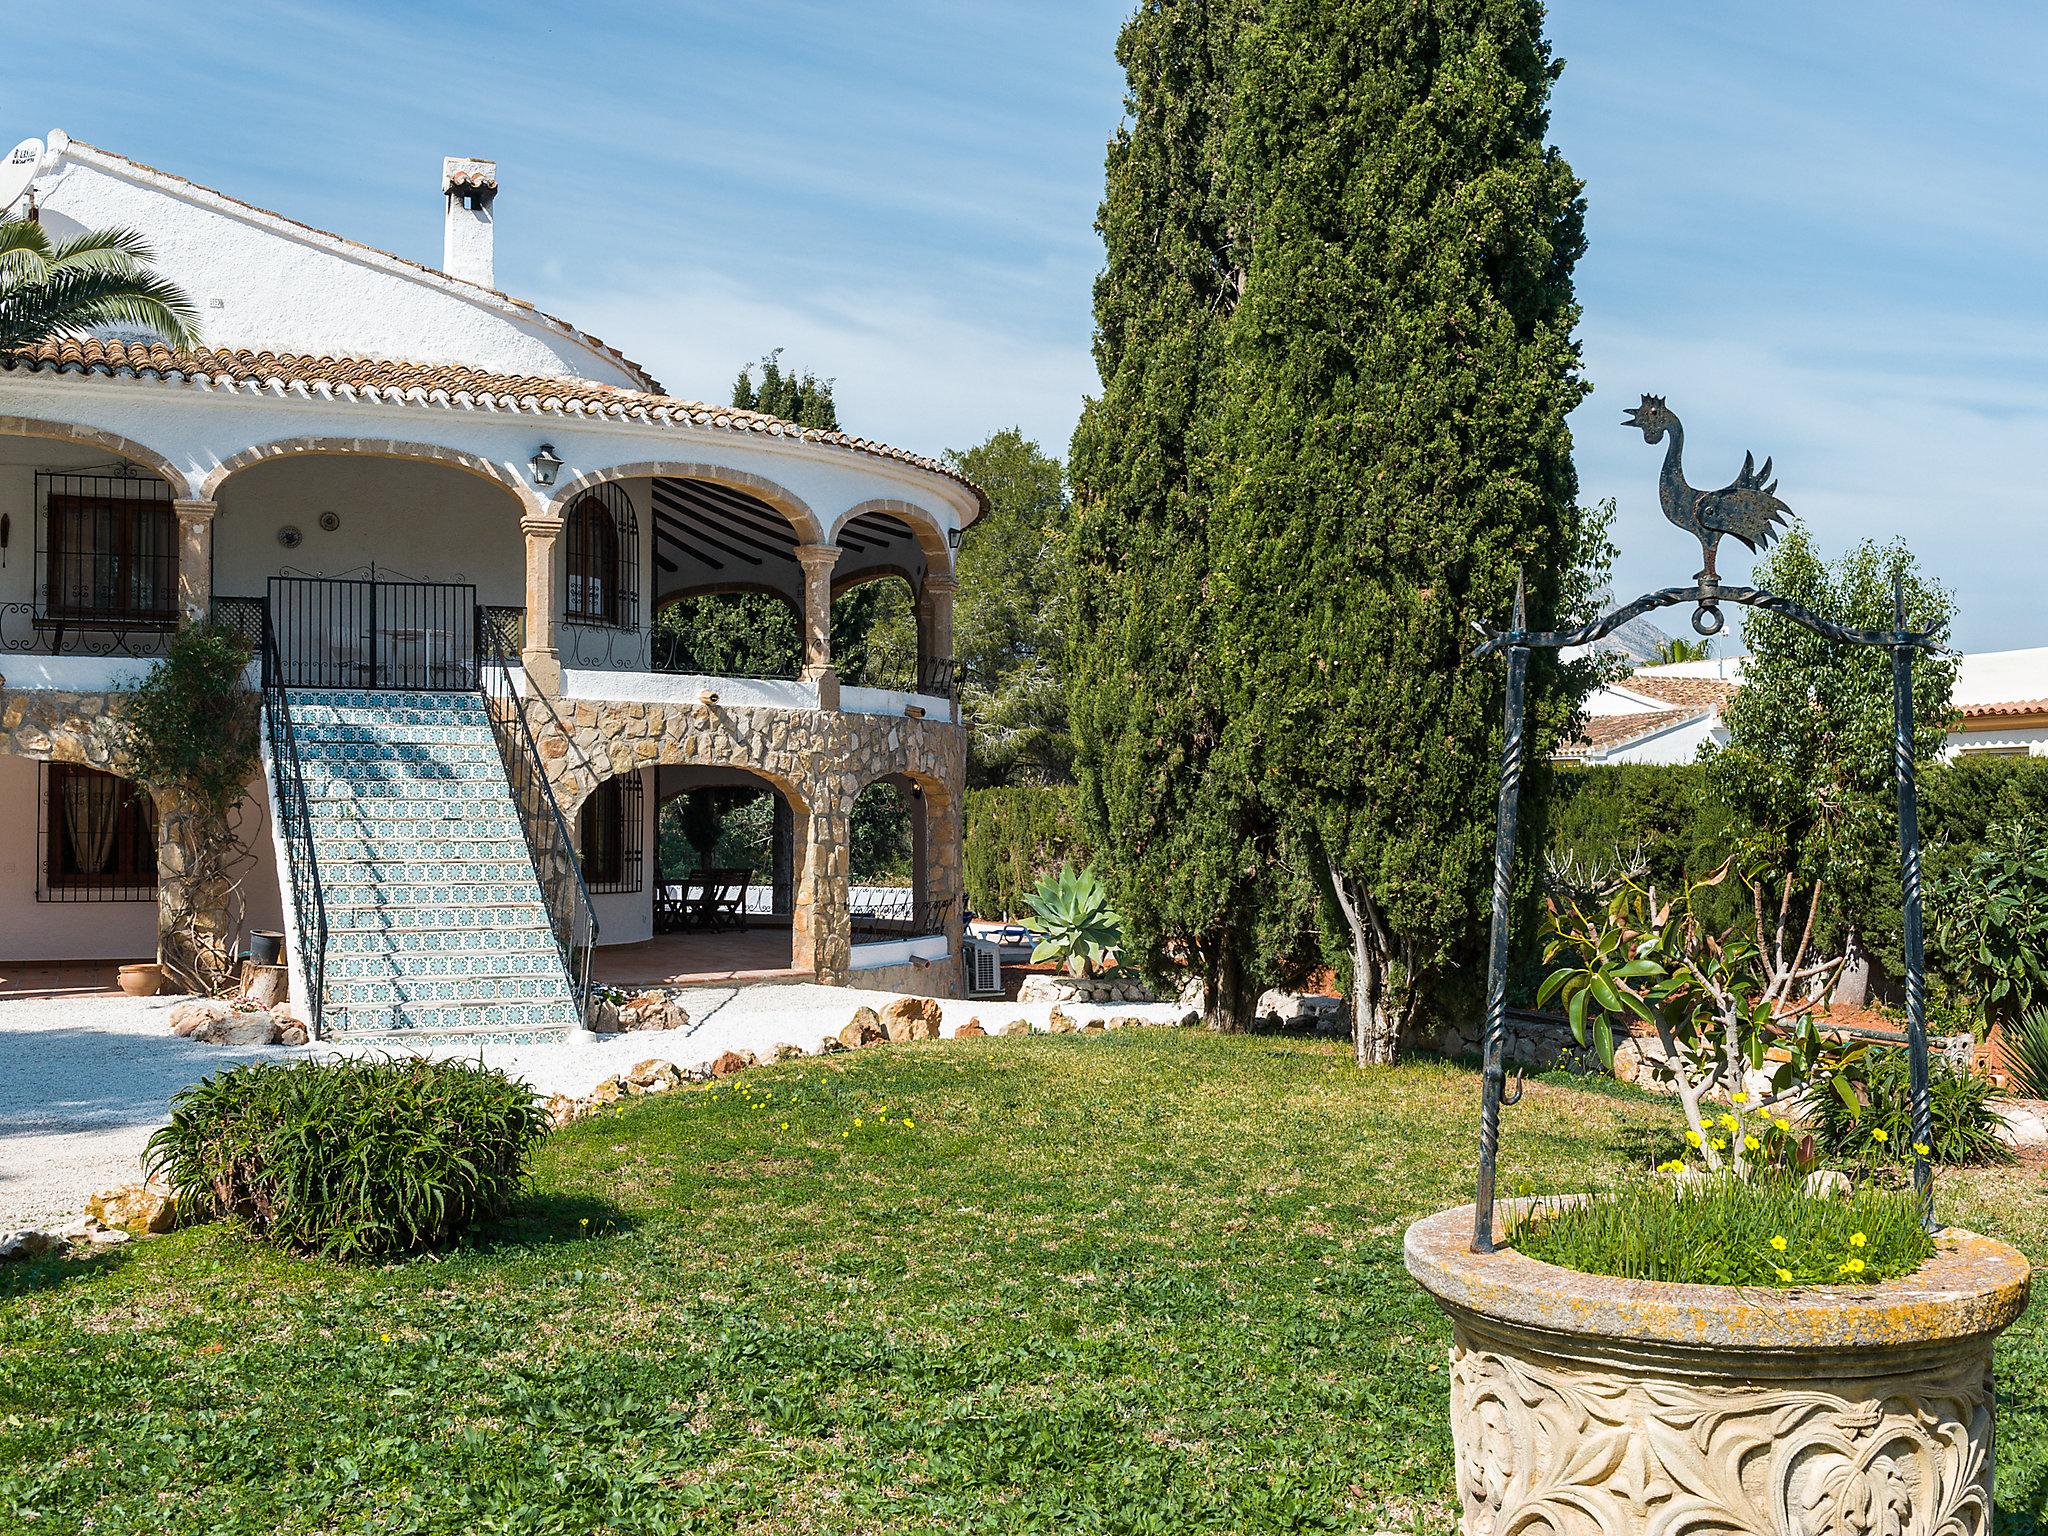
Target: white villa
x: 447, y: 520
x: 1665, y: 714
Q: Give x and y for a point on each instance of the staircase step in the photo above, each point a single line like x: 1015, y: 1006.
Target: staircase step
x: 547, y: 1021
x: 482, y: 943
x: 352, y: 917
x: 404, y: 991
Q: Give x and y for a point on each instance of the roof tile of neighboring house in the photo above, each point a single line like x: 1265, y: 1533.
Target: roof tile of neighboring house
x: 1605, y: 732
x: 1690, y: 692
x: 356, y: 245
x: 2004, y: 709
x: 433, y: 384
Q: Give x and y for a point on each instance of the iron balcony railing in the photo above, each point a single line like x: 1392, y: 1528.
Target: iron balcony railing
x: 295, y: 820
x: 374, y: 634
x: 570, y: 913
x: 879, y: 917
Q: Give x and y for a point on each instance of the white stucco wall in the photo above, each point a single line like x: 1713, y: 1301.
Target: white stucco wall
x: 627, y: 917
x: 117, y: 930
x: 262, y: 282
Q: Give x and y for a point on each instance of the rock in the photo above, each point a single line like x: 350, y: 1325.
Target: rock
x: 238, y: 1029
x: 134, y: 1208
x: 1628, y: 1061
x: 2026, y: 1122
x: 107, y: 1237
x: 562, y: 1110
x: 27, y: 1244
x: 653, y: 1076
x: 1824, y: 1183
x: 912, y: 1018
x: 189, y: 1016
x: 864, y: 1028
x: 1191, y: 1020
x: 292, y: 1034
x: 610, y: 1091
x: 1046, y: 989
x: 1059, y: 1023
x: 1095, y: 1026
x: 971, y: 1030
x: 788, y: 1052
x: 830, y: 1044
x: 604, y: 1016
x: 1017, y: 1027
x: 1124, y: 1021
x: 733, y: 1061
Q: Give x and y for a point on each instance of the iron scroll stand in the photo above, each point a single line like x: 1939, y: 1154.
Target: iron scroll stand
x: 1707, y: 596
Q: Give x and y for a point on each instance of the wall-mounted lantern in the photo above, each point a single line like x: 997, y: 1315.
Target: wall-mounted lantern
x: 545, y: 464
x: 952, y: 538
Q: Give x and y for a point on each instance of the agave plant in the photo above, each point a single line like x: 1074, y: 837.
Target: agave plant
x: 1076, y: 924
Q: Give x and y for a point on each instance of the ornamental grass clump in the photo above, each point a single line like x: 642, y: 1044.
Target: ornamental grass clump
x: 1764, y: 1230
x: 349, y: 1160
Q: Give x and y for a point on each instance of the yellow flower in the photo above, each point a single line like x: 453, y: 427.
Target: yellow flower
x: 1692, y: 1138
x: 858, y: 1122
x: 1853, y: 1267
x: 908, y: 1122
x: 785, y: 1125
x: 1857, y: 1239
x: 1783, y: 1125
x: 582, y: 1221
x: 1784, y: 1277
x: 1739, y: 1097
x: 385, y: 1337
x: 1878, y: 1133
x: 1720, y: 1144
x: 1729, y: 1122
x: 1920, y: 1148
x: 1751, y: 1143
x: 1778, y: 1243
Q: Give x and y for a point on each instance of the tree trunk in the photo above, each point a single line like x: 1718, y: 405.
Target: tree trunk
x: 1230, y: 1000
x: 1376, y: 1019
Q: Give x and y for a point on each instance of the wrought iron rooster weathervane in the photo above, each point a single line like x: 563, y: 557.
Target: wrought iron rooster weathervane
x: 1749, y: 511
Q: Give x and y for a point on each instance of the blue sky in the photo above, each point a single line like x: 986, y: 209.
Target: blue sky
x: 1820, y: 228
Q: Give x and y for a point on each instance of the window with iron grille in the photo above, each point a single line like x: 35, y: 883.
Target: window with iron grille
x: 109, y: 551
x: 604, y: 559
x: 98, y: 837
x: 612, y: 835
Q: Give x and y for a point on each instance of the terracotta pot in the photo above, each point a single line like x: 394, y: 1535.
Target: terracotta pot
x: 144, y: 980
x: 1588, y: 1406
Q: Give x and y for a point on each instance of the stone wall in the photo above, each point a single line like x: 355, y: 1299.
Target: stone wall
x: 819, y: 760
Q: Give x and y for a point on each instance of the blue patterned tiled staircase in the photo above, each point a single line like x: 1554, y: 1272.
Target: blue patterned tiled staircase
x: 436, y: 925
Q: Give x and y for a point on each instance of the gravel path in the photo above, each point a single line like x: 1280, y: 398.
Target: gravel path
x: 84, y: 1081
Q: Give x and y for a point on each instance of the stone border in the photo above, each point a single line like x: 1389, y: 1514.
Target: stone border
x: 1973, y: 1286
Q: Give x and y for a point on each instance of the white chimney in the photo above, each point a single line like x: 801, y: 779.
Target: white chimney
x: 470, y: 187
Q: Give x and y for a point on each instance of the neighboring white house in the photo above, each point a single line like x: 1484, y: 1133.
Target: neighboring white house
x: 381, y: 464
x: 1665, y: 714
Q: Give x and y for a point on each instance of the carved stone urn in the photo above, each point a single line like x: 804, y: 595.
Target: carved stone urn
x: 1588, y: 1406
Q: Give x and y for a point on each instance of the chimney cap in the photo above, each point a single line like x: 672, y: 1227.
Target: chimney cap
x: 465, y: 173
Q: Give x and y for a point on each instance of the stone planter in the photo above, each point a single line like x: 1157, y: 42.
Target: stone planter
x: 1586, y: 1406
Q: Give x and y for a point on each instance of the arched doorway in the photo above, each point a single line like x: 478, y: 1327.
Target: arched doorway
x: 892, y: 895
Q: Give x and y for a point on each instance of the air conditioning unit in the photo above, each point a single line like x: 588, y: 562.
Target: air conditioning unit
x: 984, y: 969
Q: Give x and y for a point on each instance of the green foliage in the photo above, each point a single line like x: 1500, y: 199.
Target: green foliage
x: 1681, y: 649
x: 1868, y: 1119
x: 192, y: 721
x: 729, y: 634
x: 99, y: 277
x: 874, y: 634
x: 879, y: 836
x: 1391, y: 448
x: 1650, y: 820
x: 2026, y: 1054
x: 349, y: 1159
x: 1076, y: 924
x: 1010, y: 616
x: 1716, y: 1014
x: 803, y: 398
x: 1807, y: 772
x: 1991, y: 920
x: 1174, y: 815
x: 1016, y: 837
x: 1728, y: 1232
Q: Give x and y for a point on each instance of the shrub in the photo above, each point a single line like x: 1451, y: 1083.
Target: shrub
x: 349, y: 1159
x: 1076, y: 924
x: 1728, y: 1231
x: 2026, y: 1054
x: 1991, y: 919
x: 1878, y: 1132
x: 1016, y: 837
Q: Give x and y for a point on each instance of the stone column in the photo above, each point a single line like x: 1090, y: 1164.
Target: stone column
x: 934, y: 623
x: 195, y: 559
x: 821, y: 931
x: 817, y: 561
x: 543, y: 602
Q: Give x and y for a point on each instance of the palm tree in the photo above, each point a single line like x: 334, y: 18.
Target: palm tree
x: 101, y: 277
x: 1682, y: 650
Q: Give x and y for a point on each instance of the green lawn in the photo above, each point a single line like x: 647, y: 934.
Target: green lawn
x: 1135, y: 1282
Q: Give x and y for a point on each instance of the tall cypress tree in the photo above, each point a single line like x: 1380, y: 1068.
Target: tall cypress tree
x: 1173, y: 814
x: 1391, y: 448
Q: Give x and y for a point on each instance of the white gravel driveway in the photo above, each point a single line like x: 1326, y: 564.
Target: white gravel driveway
x: 84, y: 1081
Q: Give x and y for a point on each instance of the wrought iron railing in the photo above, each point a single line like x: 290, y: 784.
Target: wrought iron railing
x: 295, y: 821
x: 880, y: 916
x: 547, y: 834
x: 240, y: 616
x: 27, y: 630
x: 372, y: 633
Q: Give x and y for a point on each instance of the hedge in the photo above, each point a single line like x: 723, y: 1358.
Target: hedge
x: 1016, y: 836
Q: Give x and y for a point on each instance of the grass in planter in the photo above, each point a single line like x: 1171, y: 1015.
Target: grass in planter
x: 1764, y: 1231
x: 353, y: 1159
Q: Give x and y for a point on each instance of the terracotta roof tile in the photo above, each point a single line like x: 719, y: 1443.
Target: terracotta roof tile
x: 1692, y: 692
x: 2004, y: 709
x: 433, y: 384
x: 479, y: 179
x: 1604, y: 732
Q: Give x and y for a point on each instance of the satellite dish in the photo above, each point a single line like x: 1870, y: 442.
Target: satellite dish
x: 18, y: 170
